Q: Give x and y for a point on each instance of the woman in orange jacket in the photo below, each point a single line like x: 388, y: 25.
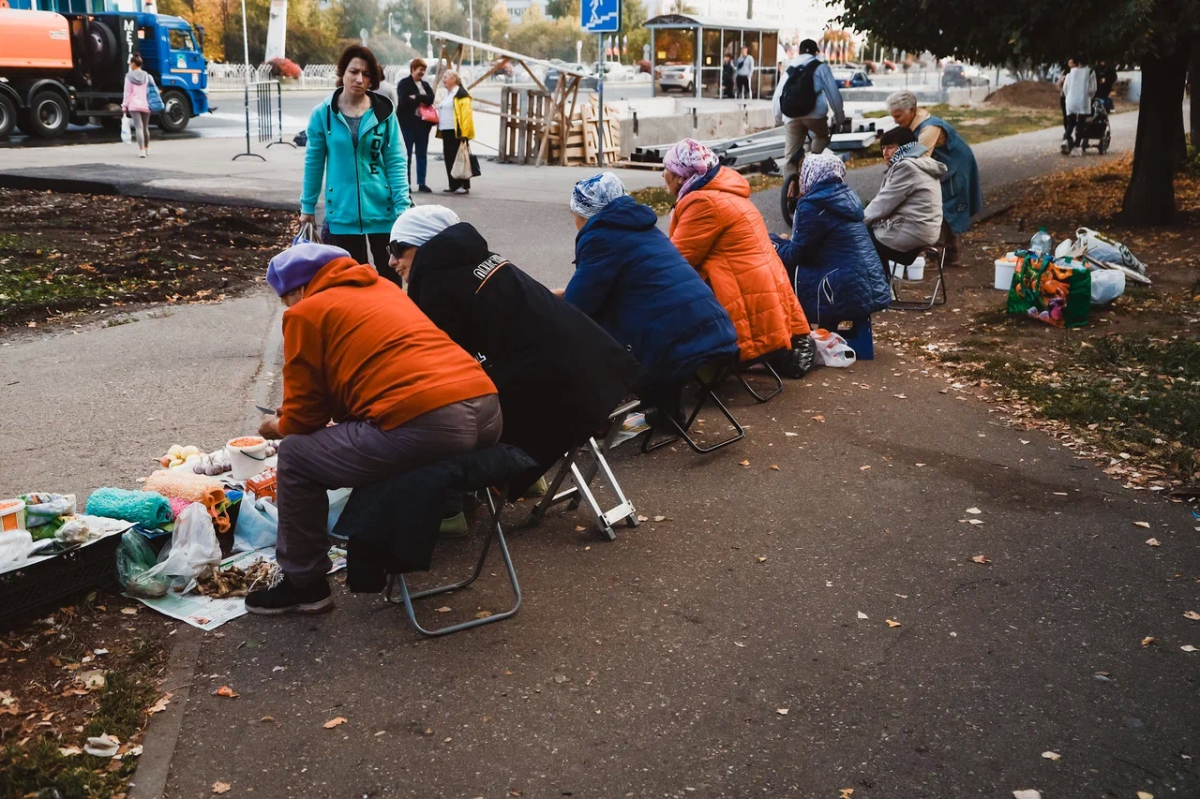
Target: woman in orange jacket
x: 720, y: 233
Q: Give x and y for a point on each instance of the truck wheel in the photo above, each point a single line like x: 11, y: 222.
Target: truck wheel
x: 8, y: 115
x: 48, y: 115
x: 177, y: 110
x: 103, y: 44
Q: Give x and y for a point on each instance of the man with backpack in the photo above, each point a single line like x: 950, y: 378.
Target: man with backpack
x: 802, y: 103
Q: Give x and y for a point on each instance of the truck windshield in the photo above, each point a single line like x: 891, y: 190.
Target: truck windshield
x: 181, y: 40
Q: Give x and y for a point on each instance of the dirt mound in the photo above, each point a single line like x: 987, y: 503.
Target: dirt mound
x: 1026, y: 94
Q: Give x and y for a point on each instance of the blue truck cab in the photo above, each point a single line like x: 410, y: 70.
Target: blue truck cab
x: 42, y: 95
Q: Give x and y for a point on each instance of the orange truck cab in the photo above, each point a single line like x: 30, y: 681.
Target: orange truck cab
x: 62, y: 69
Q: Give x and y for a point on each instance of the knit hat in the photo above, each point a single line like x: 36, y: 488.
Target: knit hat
x: 421, y: 223
x: 592, y: 195
x: 299, y: 264
x: 818, y: 168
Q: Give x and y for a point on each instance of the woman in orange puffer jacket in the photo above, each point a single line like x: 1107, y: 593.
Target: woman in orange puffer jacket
x: 720, y: 233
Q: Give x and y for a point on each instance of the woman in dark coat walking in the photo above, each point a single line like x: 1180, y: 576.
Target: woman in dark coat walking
x: 559, y: 375
x: 414, y: 93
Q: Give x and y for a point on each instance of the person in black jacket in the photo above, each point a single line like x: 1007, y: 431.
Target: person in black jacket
x: 727, y: 74
x: 414, y: 92
x: 1106, y: 78
x: 559, y: 374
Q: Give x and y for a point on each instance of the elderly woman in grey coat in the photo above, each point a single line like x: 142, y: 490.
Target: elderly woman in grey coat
x: 906, y: 214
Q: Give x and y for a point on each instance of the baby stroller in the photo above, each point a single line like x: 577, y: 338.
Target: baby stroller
x: 1095, y: 130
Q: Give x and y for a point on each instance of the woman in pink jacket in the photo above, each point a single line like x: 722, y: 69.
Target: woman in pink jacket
x: 137, y: 102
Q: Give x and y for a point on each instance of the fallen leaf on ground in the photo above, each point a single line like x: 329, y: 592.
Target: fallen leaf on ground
x: 334, y: 722
x: 443, y: 609
x: 483, y: 614
x: 862, y: 615
x: 1142, y: 524
x: 818, y: 418
x: 660, y: 518
x: 265, y: 719
x: 773, y: 467
x: 1154, y: 542
x: 974, y: 510
x: 900, y: 396
x: 1055, y: 756
x: 1144, y: 795
x: 160, y: 705
x: 642, y: 518
x: 783, y: 711
x: 1188, y: 648
x: 762, y: 559
x: 1027, y: 794
x: 221, y: 787
x: 791, y: 435
x: 580, y: 529
x: 1149, y: 639
x: 891, y: 623
x: 68, y: 751
x: 744, y: 463
x: 863, y: 468
x: 1191, y: 614
x: 227, y: 692
x: 846, y: 793
x: 981, y: 559
x: 129, y: 611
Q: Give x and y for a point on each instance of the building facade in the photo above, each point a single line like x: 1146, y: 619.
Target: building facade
x: 518, y: 8
x: 797, y: 19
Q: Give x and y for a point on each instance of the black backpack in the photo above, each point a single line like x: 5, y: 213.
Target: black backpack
x: 799, y: 95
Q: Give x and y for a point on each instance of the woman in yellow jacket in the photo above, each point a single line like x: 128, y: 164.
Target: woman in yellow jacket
x: 456, y: 125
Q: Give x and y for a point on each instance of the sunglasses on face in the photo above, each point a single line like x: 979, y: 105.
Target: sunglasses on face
x: 397, y: 248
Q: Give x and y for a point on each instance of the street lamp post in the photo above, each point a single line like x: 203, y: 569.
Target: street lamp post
x: 428, y: 27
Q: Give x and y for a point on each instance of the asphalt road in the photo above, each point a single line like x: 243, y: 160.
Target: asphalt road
x: 740, y: 646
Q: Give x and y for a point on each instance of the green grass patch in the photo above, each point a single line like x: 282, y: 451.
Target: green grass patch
x: 43, y: 771
x: 1142, y: 393
x: 977, y: 125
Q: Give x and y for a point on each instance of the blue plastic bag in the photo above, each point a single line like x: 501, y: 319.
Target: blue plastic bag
x: 154, y: 99
x: 257, y: 524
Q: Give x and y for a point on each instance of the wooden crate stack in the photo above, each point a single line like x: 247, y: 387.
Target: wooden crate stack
x: 583, y: 137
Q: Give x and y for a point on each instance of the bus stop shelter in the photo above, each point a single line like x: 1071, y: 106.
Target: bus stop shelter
x: 703, y: 43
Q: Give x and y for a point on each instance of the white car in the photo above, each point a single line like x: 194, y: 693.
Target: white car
x: 677, y: 76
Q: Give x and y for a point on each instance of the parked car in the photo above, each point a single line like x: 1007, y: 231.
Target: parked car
x: 851, y: 78
x: 961, y: 75
x: 614, y: 70
x: 677, y: 76
x: 586, y: 83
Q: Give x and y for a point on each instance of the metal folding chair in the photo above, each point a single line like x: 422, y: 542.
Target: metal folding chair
x: 764, y: 362
x: 496, y: 533
x: 705, y: 394
x: 591, y: 455
x: 918, y: 305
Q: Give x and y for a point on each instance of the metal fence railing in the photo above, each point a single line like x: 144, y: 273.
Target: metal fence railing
x: 267, y: 116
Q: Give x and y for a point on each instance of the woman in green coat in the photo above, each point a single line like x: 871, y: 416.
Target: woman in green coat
x: 355, y: 147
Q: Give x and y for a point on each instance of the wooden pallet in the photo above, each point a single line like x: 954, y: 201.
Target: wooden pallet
x: 583, y: 136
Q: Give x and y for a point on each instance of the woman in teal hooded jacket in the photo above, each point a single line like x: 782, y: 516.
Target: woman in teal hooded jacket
x: 355, y: 147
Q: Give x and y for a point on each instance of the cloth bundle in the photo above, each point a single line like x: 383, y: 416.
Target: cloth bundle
x: 145, y: 508
x: 193, y: 488
x: 45, y: 511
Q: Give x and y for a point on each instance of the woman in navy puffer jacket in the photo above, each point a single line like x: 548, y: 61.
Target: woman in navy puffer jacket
x: 630, y: 278
x: 833, y: 265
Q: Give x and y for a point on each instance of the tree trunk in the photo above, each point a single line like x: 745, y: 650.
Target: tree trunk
x: 1150, y: 198
x: 1194, y: 71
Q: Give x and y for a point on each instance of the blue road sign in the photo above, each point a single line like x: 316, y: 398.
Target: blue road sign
x: 601, y: 16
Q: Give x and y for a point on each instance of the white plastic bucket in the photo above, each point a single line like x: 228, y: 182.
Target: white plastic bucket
x: 246, y: 462
x: 12, y: 515
x: 914, y: 271
x: 1004, y: 274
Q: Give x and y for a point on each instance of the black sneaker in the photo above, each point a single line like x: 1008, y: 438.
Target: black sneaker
x: 423, y: 189
x: 285, y: 597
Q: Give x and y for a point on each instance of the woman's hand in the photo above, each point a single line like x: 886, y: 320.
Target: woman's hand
x: 269, y: 429
x: 308, y: 219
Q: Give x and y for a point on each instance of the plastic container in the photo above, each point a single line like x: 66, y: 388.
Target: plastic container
x: 247, y: 460
x: 1041, y: 243
x: 914, y: 271
x: 12, y: 514
x: 1004, y: 274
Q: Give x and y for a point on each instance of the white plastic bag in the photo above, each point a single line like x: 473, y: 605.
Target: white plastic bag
x: 14, y: 545
x: 832, y: 349
x: 193, y: 547
x: 461, y: 169
x: 1106, y: 250
x: 1107, y: 285
x: 126, y: 129
x: 257, y: 524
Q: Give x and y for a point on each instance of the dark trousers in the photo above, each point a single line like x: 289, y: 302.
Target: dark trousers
x: 1071, y: 127
x: 357, y: 244
x: 743, y: 86
x: 416, y: 137
x: 450, y: 145
x: 886, y: 253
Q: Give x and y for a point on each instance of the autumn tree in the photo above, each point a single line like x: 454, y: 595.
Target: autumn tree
x: 1157, y: 34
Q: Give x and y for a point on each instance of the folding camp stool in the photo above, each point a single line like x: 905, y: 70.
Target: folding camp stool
x: 582, y: 478
x: 496, y: 533
x: 764, y: 362
x: 705, y: 394
x: 939, y: 285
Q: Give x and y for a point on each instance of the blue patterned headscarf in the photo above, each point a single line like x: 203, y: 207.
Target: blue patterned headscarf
x: 592, y: 195
x: 819, y: 168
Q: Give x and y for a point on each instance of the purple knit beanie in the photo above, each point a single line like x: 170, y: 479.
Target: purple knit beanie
x: 298, y: 264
